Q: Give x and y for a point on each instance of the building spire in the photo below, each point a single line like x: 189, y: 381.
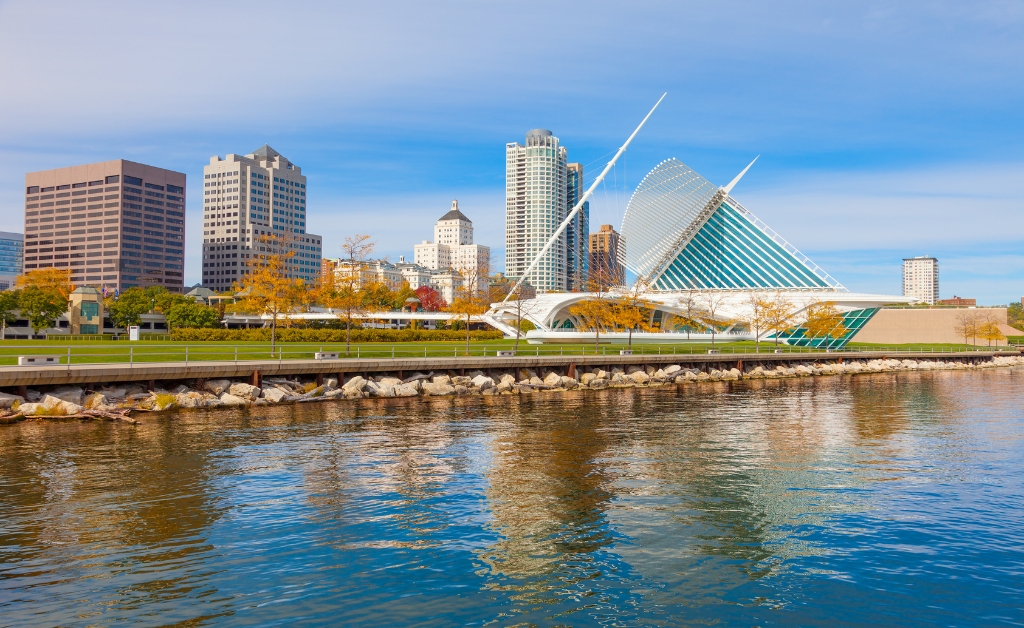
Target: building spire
x: 733, y: 183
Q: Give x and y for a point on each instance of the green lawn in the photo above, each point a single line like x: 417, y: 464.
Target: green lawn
x: 167, y: 351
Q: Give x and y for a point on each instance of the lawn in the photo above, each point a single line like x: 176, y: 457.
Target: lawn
x: 169, y: 351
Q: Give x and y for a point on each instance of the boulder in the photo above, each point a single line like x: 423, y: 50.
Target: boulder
x: 504, y: 386
x: 568, y: 382
x: 672, y: 369
x: 371, y: 388
x: 385, y: 389
x: 508, y: 378
x: 334, y: 392
x: 602, y: 374
x: 437, y: 390
x: 587, y: 378
x: 245, y: 391
x: 619, y: 379
x: 356, y: 384
x: 640, y: 377
x: 483, y: 382
x: 416, y: 384
x: 7, y: 401
x: 216, y: 386
x: 406, y: 390
x: 802, y: 371
x: 443, y: 380
x: 30, y: 409
x: 228, y: 399
x: 462, y: 380
x: 599, y: 383
x: 33, y: 395
x: 660, y: 375
x: 552, y: 379
x: 536, y: 381
x: 391, y: 381
x: 114, y: 394
x: 58, y: 406
x: 461, y: 390
x: 72, y: 394
x: 733, y: 373
x: 274, y: 395
x: 703, y: 377
x: 330, y: 383
x: 190, y: 399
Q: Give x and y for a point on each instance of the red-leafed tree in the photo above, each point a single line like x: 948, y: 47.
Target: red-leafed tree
x: 430, y: 299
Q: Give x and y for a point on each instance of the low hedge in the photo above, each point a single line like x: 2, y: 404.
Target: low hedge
x: 328, y: 335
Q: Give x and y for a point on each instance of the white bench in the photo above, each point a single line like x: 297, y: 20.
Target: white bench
x: 506, y: 354
x: 326, y: 355
x: 714, y: 351
x: 626, y: 352
x: 37, y: 360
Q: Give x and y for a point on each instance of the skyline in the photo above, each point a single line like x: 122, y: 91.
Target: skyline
x: 901, y: 123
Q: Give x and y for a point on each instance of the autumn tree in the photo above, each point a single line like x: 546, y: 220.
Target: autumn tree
x: 595, y: 313
x: 711, y: 304
x: 967, y: 325
x: 52, y: 280
x: 266, y: 287
x: 188, y: 313
x: 989, y: 329
x: 823, y: 320
x: 41, y: 306
x: 779, y: 315
x: 632, y: 310
x: 341, y: 290
x: 8, y: 307
x: 430, y: 299
x: 689, y: 308
x: 127, y: 308
x: 756, y: 317
x: 469, y: 299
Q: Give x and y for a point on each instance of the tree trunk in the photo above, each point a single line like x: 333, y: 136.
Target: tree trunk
x: 630, y: 344
x: 273, y: 333
x: 467, y: 335
x: 348, y: 333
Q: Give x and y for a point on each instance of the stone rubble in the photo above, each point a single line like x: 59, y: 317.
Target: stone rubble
x: 106, y: 399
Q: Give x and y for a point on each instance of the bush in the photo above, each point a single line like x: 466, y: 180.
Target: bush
x: 329, y: 335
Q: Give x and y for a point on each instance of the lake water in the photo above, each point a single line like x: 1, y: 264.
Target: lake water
x: 884, y: 499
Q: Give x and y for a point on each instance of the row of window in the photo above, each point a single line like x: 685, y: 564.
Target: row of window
x: 35, y: 189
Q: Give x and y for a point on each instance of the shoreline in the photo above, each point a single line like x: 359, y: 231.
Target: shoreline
x: 118, y: 401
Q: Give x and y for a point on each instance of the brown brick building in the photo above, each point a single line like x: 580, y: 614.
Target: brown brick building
x: 113, y: 224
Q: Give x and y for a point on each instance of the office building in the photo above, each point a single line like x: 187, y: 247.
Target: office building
x: 114, y: 224
x: 12, y: 253
x: 921, y: 279
x: 535, y: 205
x: 577, y: 234
x: 255, y: 204
x: 606, y: 257
x: 453, y: 248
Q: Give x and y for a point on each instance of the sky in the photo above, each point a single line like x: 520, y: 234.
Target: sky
x: 885, y: 130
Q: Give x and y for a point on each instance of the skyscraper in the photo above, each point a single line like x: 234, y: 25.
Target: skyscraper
x: 921, y: 278
x: 535, y: 204
x: 246, y: 199
x: 606, y: 257
x: 12, y: 257
x: 577, y: 240
x: 114, y: 224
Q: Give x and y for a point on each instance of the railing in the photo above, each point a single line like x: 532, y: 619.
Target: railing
x: 124, y: 353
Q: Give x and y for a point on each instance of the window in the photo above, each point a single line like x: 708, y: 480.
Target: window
x: 78, y: 185
x: 90, y: 310
x: 49, y: 189
x: 117, y: 178
x: 175, y: 189
x: 151, y: 186
x: 32, y: 189
x: 92, y: 183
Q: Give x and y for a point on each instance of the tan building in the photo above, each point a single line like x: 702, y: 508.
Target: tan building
x: 921, y: 278
x: 245, y: 199
x: 453, y: 248
x: 85, y: 314
x: 930, y: 325
x: 114, y: 224
x: 606, y: 257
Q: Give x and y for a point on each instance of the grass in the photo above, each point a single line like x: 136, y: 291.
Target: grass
x: 169, y: 351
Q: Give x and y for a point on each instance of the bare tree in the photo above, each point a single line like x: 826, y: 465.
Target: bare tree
x: 711, y: 306
x: 689, y: 303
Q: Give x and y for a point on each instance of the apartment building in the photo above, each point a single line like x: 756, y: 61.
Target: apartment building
x: 253, y: 204
x: 453, y: 248
x: 577, y: 234
x: 921, y: 278
x: 607, y: 257
x: 114, y: 224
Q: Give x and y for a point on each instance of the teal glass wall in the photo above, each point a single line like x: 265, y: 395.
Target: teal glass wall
x: 852, y: 321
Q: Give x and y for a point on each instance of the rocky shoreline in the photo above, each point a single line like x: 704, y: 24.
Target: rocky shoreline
x: 118, y: 402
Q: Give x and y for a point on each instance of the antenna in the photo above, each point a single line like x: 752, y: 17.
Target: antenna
x: 733, y: 183
x: 579, y: 203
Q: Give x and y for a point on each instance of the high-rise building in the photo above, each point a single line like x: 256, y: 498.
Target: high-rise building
x: 535, y: 205
x: 577, y: 240
x: 247, y: 199
x: 453, y: 246
x: 607, y: 256
x: 114, y: 224
x: 12, y: 253
x: 921, y: 278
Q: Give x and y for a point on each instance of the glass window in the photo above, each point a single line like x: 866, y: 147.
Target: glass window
x: 90, y: 310
x: 117, y: 178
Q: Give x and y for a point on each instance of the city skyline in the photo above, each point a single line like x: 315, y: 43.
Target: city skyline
x: 879, y: 132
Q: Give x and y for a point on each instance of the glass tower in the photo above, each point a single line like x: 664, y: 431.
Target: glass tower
x: 577, y: 242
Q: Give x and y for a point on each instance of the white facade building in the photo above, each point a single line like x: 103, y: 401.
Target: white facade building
x: 246, y: 198
x: 535, y: 204
x: 921, y: 278
x: 453, y: 249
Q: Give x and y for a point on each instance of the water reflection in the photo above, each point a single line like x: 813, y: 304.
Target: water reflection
x: 737, y: 503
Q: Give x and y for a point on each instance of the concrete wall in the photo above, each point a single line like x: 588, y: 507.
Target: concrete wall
x: 903, y: 326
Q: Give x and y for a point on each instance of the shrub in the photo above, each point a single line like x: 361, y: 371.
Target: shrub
x: 328, y: 335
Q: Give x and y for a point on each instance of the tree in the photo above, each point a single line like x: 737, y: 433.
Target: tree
x: 824, y: 321
x: 966, y: 325
x: 711, y: 304
x: 8, y: 306
x: 633, y: 311
x: 758, y: 309
x: 521, y: 306
x: 989, y: 329
x: 403, y: 293
x: 469, y: 299
x: 688, y: 316
x: 54, y: 280
x: 266, y: 287
x: 341, y: 290
x: 377, y: 297
x: 191, y: 314
x: 430, y: 299
x: 41, y: 306
x: 127, y: 309
x: 595, y: 313
x: 779, y: 316
x: 164, y: 300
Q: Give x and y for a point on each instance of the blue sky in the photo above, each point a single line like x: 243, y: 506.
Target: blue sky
x: 884, y: 131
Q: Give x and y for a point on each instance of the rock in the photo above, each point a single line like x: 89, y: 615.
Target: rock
x: 461, y: 390
x: 483, y: 382
x: 180, y: 389
x: 72, y: 394
x: 57, y: 406
x: 504, y: 386
x: 438, y: 389
x: 733, y: 373
x: 599, y: 383
x: 552, y: 379
x: 660, y: 375
x: 416, y: 376
x: 619, y: 379
x: 640, y: 377
x: 703, y: 377
x: 274, y: 395
x: 416, y: 384
x: 634, y: 369
x: 334, y: 392
x: 330, y: 383
x: 356, y: 384
x: 33, y: 395
x: 216, y: 386
x: 371, y: 388
x: 587, y: 378
x: 30, y: 409
x: 406, y: 390
x: 672, y: 369
x: 190, y: 399
x: 802, y: 371
x: 114, y: 394
x: 7, y: 401
x: 508, y: 378
x: 385, y: 389
x: 536, y: 381
x: 461, y: 380
x: 568, y: 382
x: 228, y: 399
x: 245, y: 391
x: 443, y: 380
x: 602, y: 374
x: 391, y: 381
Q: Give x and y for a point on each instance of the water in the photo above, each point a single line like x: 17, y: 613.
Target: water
x: 870, y: 500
